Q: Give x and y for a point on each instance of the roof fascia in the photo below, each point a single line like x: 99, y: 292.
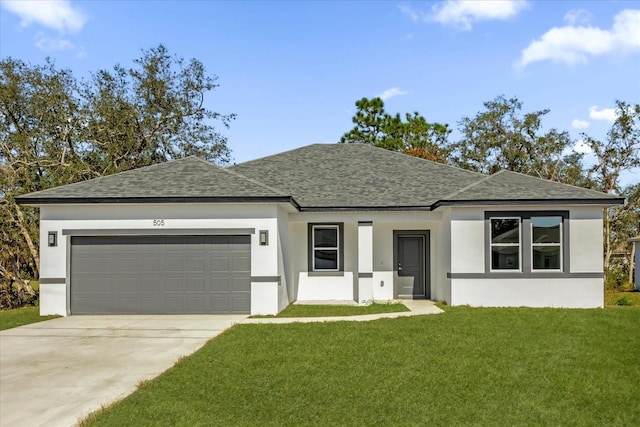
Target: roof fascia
x: 481, y: 202
x: 363, y: 208
x: 131, y: 200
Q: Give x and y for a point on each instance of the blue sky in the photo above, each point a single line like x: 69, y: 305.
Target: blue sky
x: 293, y: 70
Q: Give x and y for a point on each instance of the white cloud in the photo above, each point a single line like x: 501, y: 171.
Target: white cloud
x: 463, y: 13
x: 47, y: 44
x: 577, y: 16
x: 390, y: 93
x: 55, y: 14
x: 573, y: 44
x: 608, y: 114
x: 580, y: 124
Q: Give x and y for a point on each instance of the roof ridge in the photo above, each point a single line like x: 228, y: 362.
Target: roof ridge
x: 558, y: 182
x: 276, y: 154
x: 468, y: 187
x: 275, y: 190
x: 414, y: 157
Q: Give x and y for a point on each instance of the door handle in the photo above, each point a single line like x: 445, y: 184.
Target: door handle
x: 399, y: 267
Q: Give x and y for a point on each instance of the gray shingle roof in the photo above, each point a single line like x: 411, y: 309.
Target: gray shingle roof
x: 356, y: 175
x: 513, y: 186
x: 190, y: 177
x: 321, y: 176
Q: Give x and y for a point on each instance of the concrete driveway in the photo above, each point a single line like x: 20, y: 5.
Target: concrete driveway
x: 53, y: 373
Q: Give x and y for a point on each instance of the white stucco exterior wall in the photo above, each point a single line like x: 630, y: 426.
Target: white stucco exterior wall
x: 285, y: 289
x: 442, y: 286
x: 365, y: 262
x: 54, y: 260
x: 586, y: 239
x: 559, y: 293
x: 340, y: 287
x: 581, y: 286
x: 457, y: 246
x: 467, y: 240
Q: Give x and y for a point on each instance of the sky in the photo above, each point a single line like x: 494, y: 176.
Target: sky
x: 293, y: 70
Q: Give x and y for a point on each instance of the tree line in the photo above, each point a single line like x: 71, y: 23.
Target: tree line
x: 57, y: 129
x: 502, y: 136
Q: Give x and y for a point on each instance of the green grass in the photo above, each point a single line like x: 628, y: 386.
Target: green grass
x: 632, y: 299
x: 21, y: 316
x: 467, y: 366
x: 304, y: 310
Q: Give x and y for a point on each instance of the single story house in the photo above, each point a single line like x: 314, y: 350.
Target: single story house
x: 325, y: 222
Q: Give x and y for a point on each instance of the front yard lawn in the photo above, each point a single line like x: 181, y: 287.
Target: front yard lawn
x: 21, y: 316
x: 467, y: 366
x: 310, y: 310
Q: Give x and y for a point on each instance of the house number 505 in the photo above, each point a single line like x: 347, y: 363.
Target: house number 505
x: 158, y: 222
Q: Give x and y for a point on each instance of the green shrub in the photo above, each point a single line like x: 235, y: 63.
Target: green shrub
x: 617, y: 279
x: 624, y: 301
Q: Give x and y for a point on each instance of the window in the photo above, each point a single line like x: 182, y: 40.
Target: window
x: 546, y: 243
x: 325, y: 247
x: 527, y: 241
x: 505, y: 243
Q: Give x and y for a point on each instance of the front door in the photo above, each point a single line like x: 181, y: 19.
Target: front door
x: 412, y: 265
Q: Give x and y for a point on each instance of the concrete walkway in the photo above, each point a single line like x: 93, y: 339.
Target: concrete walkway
x: 55, y: 372
x: 416, y: 307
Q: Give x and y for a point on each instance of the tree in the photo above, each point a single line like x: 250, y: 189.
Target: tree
x: 502, y: 138
x: 618, y: 153
x: 38, y: 109
x: 413, y: 135
x: 621, y: 224
x: 151, y: 113
x: 57, y: 130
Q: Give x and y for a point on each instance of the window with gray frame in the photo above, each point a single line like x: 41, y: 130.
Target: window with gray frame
x: 326, y: 247
x: 531, y: 241
x: 505, y: 243
x: 546, y: 243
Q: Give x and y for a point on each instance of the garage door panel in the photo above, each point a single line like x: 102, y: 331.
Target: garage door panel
x: 196, y: 263
x: 195, y: 284
x: 241, y: 302
x: 241, y: 263
x: 193, y: 304
x: 220, y: 305
x: 160, y: 274
x: 241, y: 284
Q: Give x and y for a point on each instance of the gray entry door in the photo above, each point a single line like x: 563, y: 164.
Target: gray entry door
x: 412, y: 265
x: 160, y: 274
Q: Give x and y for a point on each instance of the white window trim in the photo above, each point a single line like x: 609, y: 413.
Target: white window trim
x: 559, y: 245
x: 314, y: 248
x: 519, y: 245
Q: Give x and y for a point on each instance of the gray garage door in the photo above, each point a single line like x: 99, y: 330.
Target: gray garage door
x: 160, y: 274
